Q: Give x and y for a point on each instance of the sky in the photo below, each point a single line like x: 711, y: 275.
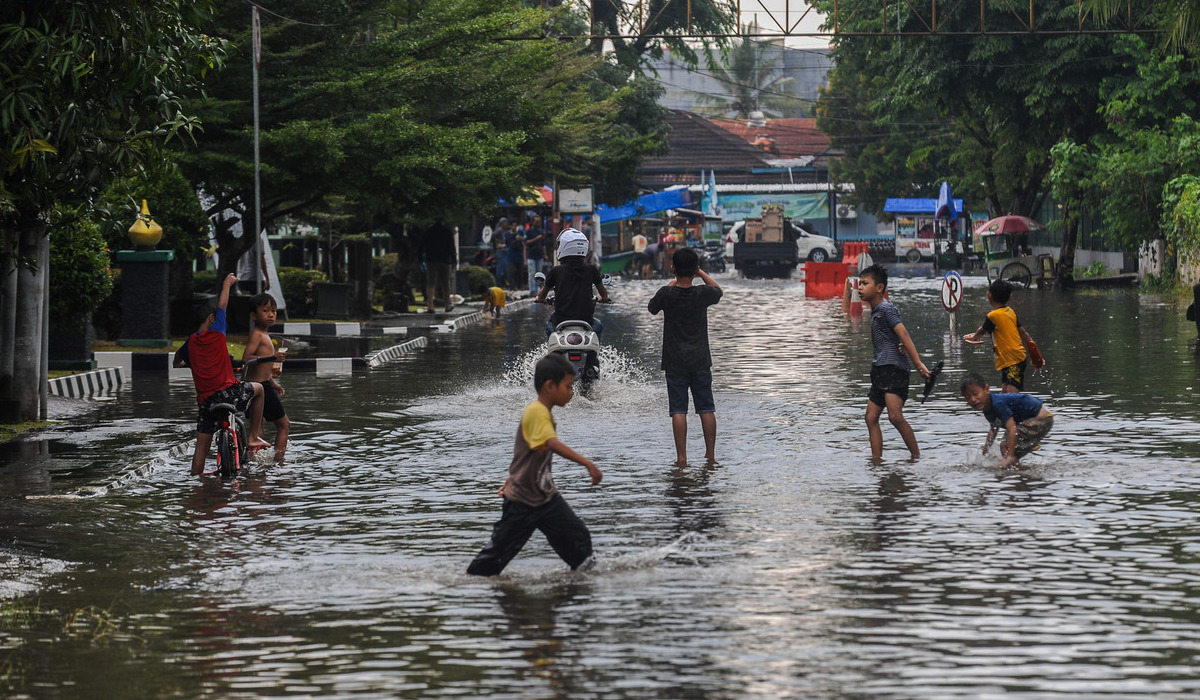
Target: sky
x: 793, y: 15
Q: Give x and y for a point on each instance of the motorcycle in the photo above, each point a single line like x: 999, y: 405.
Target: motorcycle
x: 578, y: 342
x: 712, y: 257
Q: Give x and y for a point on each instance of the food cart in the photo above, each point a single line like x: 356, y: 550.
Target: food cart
x: 1008, y: 256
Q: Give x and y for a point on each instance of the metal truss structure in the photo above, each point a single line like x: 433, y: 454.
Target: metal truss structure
x: 779, y: 19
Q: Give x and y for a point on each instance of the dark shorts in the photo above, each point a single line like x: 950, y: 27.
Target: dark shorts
x: 888, y: 379
x: 700, y: 384
x: 241, y: 395
x: 272, y: 405
x: 1014, y: 375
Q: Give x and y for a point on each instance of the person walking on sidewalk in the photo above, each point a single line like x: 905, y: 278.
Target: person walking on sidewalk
x: 439, y: 253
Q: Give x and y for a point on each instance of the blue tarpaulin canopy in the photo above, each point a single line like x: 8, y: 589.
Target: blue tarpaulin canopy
x: 896, y: 205
x: 646, y: 204
x: 943, y: 203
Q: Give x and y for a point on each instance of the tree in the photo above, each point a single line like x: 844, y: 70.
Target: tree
x: 406, y: 109
x: 1139, y: 172
x: 984, y: 111
x: 92, y: 90
x: 1179, y: 19
x: 751, y: 72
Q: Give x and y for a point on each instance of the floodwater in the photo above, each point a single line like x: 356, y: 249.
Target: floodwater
x: 791, y: 568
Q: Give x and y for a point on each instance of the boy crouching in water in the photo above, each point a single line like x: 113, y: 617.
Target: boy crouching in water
x: 212, y: 373
x: 259, y: 363
x: 1024, y: 418
x: 531, y: 501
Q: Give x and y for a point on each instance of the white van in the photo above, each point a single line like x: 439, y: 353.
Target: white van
x: 809, y: 246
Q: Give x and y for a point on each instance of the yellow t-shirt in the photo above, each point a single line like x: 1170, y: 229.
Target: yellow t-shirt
x: 1006, y: 339
x: 529, y: 478
x: 496, y: 297
x: 639, y: 243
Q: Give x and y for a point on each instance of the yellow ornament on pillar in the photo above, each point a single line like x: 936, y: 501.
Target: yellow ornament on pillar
x: 145, y: 232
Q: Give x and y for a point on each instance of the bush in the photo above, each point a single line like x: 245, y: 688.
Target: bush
x: 80, y: 277
x: 382, y: 265
x: 298, y: 290
x: 481, y: 279
x: 108, y: 318
x: 204, y: 282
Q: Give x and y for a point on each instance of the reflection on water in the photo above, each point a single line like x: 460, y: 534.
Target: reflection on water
x: 791, y: 567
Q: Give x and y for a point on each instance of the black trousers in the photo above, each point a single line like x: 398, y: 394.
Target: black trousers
x: 565, y: 532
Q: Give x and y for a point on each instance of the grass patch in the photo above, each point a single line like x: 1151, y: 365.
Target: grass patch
x: 16, y: 430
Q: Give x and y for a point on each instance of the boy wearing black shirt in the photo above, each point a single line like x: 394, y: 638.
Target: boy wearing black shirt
x: 685, y: 354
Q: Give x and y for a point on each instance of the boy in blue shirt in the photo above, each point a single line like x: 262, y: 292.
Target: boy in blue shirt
x: 889, y: 369
x: 1024, y: 418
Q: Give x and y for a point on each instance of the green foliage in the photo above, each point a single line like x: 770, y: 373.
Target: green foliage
x: 173, y: 204
x: 481, y: 279
x: 1095, y: 269
x: 404, y: 110
x: 753, y: 80
x: 299, y: 289
x: 108, y: 318
x: 1140, y: 174
x: 981, y: 113
x: 80, y: 278
x: 383, y: 264
x: 205, y: 282
x: 91, y: 90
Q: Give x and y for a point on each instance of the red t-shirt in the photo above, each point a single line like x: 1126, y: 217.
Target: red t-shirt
x: 208, y: 356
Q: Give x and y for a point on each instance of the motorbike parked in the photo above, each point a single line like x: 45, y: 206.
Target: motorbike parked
x: 712, y: 257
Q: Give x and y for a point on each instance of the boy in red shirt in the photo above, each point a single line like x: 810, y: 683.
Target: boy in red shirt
x: 212, y: 373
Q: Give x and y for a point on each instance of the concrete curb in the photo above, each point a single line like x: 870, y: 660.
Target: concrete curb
x: 87, y: 383
x: 379, y: 357
x: 127, y: 475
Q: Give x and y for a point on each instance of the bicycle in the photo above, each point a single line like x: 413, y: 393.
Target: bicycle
x: 229, y: 440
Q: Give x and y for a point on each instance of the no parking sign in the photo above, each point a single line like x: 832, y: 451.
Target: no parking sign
x: 952, y: 291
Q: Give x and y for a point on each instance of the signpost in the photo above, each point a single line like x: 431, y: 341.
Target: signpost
x: 952, y: 294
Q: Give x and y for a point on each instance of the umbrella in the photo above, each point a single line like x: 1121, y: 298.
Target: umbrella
x: 535, y: 197
x: 1011, y: 224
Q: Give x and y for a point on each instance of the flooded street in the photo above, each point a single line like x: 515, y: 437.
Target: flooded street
x: 791, y: 568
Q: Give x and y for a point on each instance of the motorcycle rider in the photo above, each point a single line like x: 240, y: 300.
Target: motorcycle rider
x: 572, y: 280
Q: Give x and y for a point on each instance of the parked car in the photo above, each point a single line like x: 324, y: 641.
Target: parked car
x: 809, y: 245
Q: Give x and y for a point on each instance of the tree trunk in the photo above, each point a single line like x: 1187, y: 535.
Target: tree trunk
x: 27, y: 369
x: 8, y: 309
x: 1066, y: 254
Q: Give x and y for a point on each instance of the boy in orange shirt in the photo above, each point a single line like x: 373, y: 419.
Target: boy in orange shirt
x: 1009, y: 339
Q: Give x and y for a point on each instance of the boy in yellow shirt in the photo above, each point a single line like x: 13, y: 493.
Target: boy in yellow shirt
x: 1009, y: 339
x: 494, y: 300
x: 531, y: 500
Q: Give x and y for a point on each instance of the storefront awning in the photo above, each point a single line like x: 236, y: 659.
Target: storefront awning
x: 646, y: 204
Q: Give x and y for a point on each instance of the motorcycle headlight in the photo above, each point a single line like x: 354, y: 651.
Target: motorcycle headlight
x: 574, y: 339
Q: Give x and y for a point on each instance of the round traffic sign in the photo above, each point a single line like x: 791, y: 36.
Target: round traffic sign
x: 952, y: 291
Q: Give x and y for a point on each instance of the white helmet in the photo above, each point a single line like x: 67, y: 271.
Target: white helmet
x: 572, y: 242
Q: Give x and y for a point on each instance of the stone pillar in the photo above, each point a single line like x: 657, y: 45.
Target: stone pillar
x: 145, y: 275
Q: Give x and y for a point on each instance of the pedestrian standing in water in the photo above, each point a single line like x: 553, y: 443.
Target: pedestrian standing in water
x: 685, y: 353
x: 890, y: 367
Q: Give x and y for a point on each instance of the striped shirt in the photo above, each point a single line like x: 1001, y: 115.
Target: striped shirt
x: 884, y: 319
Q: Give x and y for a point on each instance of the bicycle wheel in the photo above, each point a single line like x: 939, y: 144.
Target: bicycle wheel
x: 227, y: 464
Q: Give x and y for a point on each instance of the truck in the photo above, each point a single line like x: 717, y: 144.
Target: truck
x: 770, y: 245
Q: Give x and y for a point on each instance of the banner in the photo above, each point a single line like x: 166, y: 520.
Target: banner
x: 735, y: 207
